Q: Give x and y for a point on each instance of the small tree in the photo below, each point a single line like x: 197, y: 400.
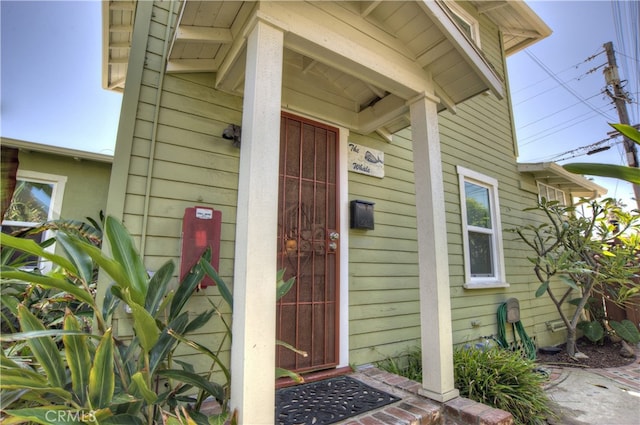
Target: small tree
x: 588, y: 253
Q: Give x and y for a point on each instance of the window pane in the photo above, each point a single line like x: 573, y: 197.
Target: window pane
x: 480, y: 254
x: 30, y: 202
x: 464, y: 25
x: 478, y: 209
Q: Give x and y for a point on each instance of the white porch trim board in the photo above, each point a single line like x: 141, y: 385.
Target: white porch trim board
x: 254, y: 318
x: 433, y: 258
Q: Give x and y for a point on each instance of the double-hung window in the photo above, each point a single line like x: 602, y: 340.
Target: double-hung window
x: 482, y: 231
x: 37, y: 198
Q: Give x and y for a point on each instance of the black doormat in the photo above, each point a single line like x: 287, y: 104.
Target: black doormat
x: 328, y: 401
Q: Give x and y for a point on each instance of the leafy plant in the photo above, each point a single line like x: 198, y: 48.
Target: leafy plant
x: 621, y: 172
x: 113, y: 379
x: 502, y: 379
x: 409, y: 364
x: 492, y: 376
x: 626, y: 330
x: 589, y: 253
x: 593, y: 330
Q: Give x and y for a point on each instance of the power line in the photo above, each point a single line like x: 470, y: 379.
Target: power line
x: 539, y: 136
x: 552, y: 114
x: 563, y: 84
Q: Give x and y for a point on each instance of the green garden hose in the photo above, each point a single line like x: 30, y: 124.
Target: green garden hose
x: 527, y: 343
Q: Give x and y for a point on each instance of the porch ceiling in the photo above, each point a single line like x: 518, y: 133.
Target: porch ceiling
x: 355, y: 63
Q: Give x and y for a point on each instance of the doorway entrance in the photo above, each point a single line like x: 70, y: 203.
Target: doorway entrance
x: 308, y: 244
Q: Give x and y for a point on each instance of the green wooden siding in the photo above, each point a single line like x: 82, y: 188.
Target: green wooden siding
x: 193, y: 165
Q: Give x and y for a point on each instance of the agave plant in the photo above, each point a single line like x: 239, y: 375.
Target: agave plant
x: 85, y: 376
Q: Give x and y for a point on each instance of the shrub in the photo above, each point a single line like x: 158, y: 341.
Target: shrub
x: 502, y: 379
x: 499, y: 378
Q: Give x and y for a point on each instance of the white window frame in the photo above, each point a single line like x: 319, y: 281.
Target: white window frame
x: 497, y: 253
x: 547, y: 188
x: 464, y: 16
x: 57, y: 194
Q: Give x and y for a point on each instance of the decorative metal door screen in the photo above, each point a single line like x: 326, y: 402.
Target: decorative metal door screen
x: 308, y: 244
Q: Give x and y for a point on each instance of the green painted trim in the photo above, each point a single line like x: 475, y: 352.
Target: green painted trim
x: 128, y: 112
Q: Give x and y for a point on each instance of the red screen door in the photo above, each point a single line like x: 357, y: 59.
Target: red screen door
x: 308, y: 244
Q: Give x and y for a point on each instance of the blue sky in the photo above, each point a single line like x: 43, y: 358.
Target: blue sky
x: 557, y: 94
x: 51, y: 79
x: 51, y: 76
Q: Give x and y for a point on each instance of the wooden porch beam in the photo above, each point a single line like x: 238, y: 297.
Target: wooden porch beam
x: 203, y: 34
x: 383, y: 112
x: 367, y: 7
x: 191, y: 65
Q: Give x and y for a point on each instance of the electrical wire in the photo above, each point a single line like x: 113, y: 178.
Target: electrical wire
x: 546, y: 69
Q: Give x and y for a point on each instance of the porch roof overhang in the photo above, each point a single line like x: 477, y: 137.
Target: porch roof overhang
x: 553, y: 174
x: 364, y: 59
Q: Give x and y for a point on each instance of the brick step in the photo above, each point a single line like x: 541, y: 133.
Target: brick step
x: 414, y: 409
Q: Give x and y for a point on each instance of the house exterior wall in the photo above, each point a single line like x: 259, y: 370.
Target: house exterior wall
x: 175, y: 157
x: 87, y: 182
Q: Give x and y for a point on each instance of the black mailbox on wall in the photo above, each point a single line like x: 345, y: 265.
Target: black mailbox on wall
x: 362, y: 215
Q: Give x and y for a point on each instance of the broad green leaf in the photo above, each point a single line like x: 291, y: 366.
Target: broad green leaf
x: 568, y: 281
x: 592, y: 330
x: 145, y: 327
x: 222, y: 287
x: 43, y: 348
x: 166, y: 342
x: 621, y: 172
x: 30, y: 246
x: 80, y: 259
x: 626, y: 330
x: 48, y: 282
x: 25, y: 336
x: 200, y: 320
x: 78, y: 359
x: 185, y: 290
x: 196, y: 380
x: 122, y: 419
x: 125, y: 253
x: 101, y: 376
x: 542, y: 289
x: 284, y: 373
x: 109, y: 265
x: 110, y: 302
x: 629, y: 131
x: 47, y: 415
x: 204, y: 350
x: 23, y: 379
x: 284, y: 287
x: 158, y: 288
x: 140, y: 389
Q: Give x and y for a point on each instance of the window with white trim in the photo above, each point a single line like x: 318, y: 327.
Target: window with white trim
x: 37, y: 198
x: 467, y: 23
x: 551, y: 193
x: 482, y: 230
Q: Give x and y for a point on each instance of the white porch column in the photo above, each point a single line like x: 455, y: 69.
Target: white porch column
x: 254, y: 289
x: 433, y: 261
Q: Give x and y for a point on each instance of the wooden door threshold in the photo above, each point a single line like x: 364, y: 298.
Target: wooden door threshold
x: 314, y: 376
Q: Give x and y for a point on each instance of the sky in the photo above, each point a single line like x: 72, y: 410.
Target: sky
x: 557, y: 85
x: 50, y: 84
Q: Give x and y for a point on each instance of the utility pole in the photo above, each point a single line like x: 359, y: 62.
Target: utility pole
x: 620, y: 99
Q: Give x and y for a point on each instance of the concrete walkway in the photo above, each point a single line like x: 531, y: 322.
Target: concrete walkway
x: 596, y: 396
